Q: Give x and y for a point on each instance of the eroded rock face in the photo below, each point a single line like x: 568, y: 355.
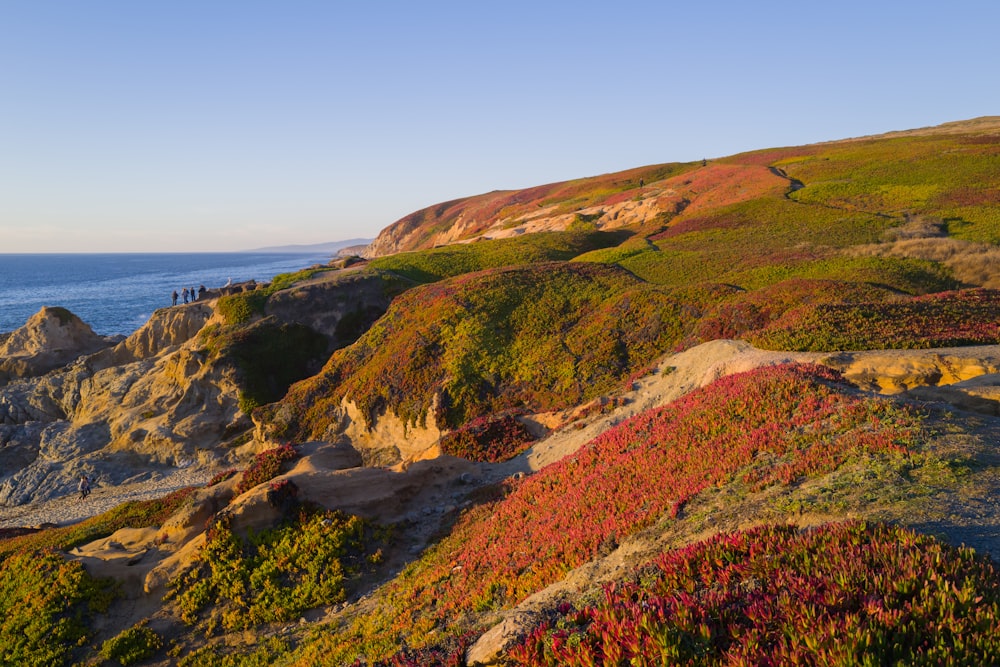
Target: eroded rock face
x: 341, y: 306
x: 897, y: 371
x: 51, y: 338
x: 149, y: 401
x: 159, y: 398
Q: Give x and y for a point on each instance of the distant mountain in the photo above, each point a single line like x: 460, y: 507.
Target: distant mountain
x: 331, y: 247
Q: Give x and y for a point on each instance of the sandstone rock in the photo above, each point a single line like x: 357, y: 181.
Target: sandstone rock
x: 896, y: 371
x: 491, y: 646
x: 51, y: 338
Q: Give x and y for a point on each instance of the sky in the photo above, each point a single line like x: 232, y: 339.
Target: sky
x: 212, y: 125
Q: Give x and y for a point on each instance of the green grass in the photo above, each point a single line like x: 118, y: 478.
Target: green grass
x: 435, y: 264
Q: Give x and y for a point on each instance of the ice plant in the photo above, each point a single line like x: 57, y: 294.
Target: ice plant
x: 842, y: 594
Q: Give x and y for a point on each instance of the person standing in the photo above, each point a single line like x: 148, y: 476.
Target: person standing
x: 173, y: 298
x: 84, y: 487
x: 184, y: 294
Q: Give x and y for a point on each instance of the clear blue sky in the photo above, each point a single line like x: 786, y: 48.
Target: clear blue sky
x: 225, y: 125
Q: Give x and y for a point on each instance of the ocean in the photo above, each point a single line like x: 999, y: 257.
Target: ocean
x: 116, y: 293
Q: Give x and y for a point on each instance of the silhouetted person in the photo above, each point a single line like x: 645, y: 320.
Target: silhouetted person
x: 173, y: 298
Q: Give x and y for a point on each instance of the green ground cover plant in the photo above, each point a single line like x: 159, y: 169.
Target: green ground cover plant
x: 46, y: 603
x: 953, y: 177
x: 531, y: 338
x: 132, y: 645
x: 274, y: 575
x: 435, y: 264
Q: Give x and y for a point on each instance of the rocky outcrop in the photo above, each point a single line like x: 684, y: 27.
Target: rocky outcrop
x: 151, y: 401
x: 51, y: 338
x: 341, y: 305
x: 897, y: 371
x: 164, y: 397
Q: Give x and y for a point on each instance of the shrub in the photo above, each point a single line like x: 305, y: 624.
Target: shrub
x: 273, y: 575
x: 266, y: 466
x: 132, y: 645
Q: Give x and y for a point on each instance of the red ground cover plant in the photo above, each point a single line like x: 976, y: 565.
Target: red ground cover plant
x: 222, y: 476
x: 492, y: 439
x: 843, y: 594
x: 627, y: 478
x: 265, y: 466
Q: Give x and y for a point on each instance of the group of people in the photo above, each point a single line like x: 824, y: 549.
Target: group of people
x: 189, y: 295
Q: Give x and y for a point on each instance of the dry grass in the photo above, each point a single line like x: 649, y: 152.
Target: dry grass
x: 974, y: 264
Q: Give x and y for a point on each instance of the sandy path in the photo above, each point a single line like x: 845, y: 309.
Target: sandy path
x: 70, y: 509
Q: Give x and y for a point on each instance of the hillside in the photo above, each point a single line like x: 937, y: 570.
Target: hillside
x: 743, y: 410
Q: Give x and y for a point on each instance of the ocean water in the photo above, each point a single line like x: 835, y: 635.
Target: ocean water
x: 116, y: 293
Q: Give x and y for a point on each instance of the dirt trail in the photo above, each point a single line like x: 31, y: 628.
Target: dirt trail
x: 70, y: 509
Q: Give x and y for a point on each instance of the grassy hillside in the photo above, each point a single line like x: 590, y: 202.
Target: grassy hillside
x: 531, y: 339
x: 776, y: 515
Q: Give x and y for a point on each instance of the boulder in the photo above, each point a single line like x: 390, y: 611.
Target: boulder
x: 51, y: 338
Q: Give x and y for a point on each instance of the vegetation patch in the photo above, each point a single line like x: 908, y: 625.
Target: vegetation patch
x: 45, y: 604
x: 529, y: 339
x: 438, y: 263
x: 131, y: 514
x: 947, y: 319
x: 770, y: 426
x: 240, y: 307
x: 275, y: 575
x: 843, y: 594
x: 268, y: 356
x: 266, y: 466
x: 132, y: 645
x: 492, y: 439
